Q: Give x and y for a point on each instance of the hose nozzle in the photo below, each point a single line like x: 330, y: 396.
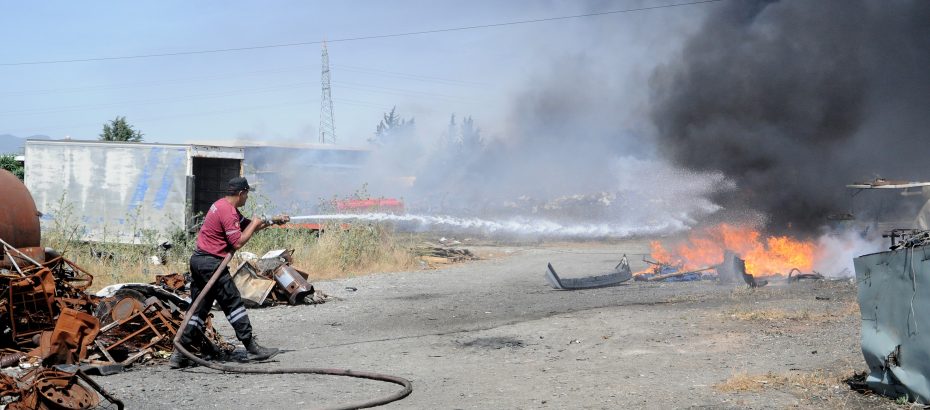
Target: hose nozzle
x: 276, y: 220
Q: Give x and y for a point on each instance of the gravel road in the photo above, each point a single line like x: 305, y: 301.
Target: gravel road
x: 493, y: 334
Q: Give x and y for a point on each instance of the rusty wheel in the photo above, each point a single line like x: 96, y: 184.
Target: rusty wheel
x: 61, y: 391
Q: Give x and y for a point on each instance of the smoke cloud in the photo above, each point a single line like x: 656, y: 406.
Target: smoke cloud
x: 792, y: 100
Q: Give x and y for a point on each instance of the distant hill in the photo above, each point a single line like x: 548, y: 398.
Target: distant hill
x: 11, y: 144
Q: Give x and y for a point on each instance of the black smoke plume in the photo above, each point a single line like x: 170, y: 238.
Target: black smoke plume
x: 794, y: 99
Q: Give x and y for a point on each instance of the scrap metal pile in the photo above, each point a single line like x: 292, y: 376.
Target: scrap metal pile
x: 47, y: 321
x: 52, y: 332
x: 271, y: 280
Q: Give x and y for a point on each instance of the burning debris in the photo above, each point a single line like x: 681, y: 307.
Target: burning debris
x: 732, y: 254
x: 667, y: 272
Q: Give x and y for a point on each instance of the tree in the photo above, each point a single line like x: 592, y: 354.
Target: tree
x: 471, y: 141
x: 392, y: 128
x: 120, y: 130
x: 9, y: 163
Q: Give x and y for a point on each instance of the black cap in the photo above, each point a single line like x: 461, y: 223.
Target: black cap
x: 238, y: 184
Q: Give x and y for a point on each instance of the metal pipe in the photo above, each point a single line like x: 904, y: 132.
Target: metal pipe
x: 408, y: 386
x: 13, y: 260
x: 10, y: 359
x: 26, y: 257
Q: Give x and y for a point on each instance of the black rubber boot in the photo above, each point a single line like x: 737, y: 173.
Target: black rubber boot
x: 257, y: 352
x: 179, y: 361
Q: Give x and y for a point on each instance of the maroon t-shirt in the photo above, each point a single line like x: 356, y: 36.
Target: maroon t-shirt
x: 221, y: 228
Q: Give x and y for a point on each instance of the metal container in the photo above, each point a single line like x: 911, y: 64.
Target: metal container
x: 296, y: 287
x: 19, y: 219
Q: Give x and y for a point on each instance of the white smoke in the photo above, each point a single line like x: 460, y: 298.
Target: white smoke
x: 837, y: 249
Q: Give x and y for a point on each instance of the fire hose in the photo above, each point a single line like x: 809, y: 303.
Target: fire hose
x: 408, y: 387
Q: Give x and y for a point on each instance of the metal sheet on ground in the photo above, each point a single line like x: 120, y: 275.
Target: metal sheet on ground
x: 894, y: 295
x: 618, y: 276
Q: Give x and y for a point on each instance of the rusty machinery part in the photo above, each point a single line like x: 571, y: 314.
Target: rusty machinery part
x: 119, y: 306
x: 30, y: 305
x: 17, y: 258
x: 61, y: 390
x: 293, y: 283
x: 54, y: 389
x: 408, y: 386
x: 11, y: 359
x: 69, y: 273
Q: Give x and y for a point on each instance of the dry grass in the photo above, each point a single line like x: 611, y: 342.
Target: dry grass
x: 358, y: 250
x: 340, y: 251
x: 745, y: 382
x: 782, y: 315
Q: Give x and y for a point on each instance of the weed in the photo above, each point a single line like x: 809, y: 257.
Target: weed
x: 902, y: 400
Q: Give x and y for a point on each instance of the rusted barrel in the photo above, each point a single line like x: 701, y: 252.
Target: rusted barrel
x: 19, y: 220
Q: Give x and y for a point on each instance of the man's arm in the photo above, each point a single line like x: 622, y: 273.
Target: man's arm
x: 255, y: 225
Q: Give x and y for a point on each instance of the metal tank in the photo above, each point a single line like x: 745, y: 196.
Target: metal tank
x: 19, y: 220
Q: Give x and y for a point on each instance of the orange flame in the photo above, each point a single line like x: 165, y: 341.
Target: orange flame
x: 772, y: 255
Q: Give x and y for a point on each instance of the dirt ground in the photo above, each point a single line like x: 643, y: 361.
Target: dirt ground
x: 493, y: 334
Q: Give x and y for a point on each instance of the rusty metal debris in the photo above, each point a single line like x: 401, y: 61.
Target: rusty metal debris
x: 272, y: 279
x: 47, y: 388
x: 174, y: 282
x: 253, y: 287
x: 48, y: 320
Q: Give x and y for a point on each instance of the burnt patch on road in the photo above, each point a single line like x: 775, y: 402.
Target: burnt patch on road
x: 495, y: 343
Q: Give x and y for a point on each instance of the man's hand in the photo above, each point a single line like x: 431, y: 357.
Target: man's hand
x: 260, y: 222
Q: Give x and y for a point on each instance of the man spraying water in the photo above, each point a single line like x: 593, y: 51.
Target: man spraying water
x: 224, y: 230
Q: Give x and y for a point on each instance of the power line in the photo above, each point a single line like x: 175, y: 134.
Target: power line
x: 202, y: 78
x: 408, y: 76
x: 142, y: 120
x: 149, y: 83
x: 359, y: 38
x: 286, y: 87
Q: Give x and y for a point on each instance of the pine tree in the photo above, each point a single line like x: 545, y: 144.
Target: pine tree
x: 119, y: 130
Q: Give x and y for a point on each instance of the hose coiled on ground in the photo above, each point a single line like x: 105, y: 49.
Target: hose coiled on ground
x: 408, y: 386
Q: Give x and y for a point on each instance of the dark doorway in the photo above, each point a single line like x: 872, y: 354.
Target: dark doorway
x: 210, y: 178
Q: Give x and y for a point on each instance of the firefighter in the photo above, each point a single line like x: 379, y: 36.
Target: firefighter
x: 224, y: 230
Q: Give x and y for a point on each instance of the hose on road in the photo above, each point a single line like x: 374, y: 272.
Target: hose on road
x: 407, y: 385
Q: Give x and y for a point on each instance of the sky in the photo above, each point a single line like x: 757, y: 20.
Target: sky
x: 273, y: 95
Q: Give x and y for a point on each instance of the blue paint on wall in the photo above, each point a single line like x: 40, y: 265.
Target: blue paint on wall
x: 143, y: 184
x: 166, y: 182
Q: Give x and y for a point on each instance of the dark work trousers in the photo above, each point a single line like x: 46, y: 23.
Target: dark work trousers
x: 224, y: 291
